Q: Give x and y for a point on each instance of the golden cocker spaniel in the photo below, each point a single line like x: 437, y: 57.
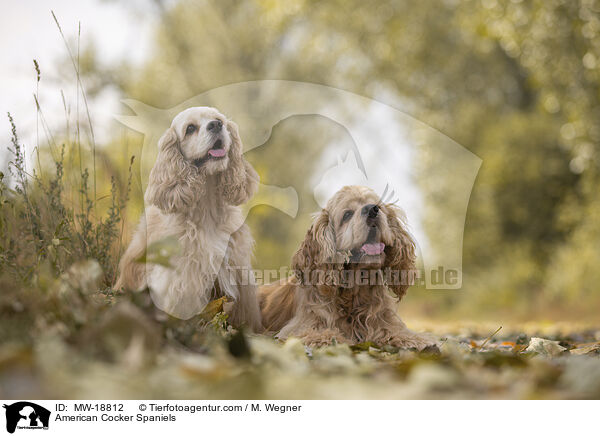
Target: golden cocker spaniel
x: 356, y: 251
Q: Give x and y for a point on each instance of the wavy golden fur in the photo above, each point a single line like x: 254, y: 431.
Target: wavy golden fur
x: 353, y: 237
x: 195, y: 187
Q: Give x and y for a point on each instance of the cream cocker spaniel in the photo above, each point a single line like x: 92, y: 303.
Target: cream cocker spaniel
x: 195, y: 187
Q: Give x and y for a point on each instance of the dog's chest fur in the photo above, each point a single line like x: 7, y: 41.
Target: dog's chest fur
x: 357, y: 308
x: 204, y: 236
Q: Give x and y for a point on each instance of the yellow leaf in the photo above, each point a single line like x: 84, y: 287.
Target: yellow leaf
x: 212, y: 308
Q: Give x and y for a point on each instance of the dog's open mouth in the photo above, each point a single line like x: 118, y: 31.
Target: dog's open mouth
x: 217, y: 151
x: 371, y: 247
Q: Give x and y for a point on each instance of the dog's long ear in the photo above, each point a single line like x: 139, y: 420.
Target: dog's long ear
x: 401, y: 258
x: 317, y: 251
x: 239, y: 182
x: 169, y: 185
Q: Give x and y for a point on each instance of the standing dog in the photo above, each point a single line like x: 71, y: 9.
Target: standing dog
x: 195, y: 187
x: 354, y: 254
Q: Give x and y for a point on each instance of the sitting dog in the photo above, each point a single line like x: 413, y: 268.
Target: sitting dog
x: 354, y: 254
x: 195, y: 187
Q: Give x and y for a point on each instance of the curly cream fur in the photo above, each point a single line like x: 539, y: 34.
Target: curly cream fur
x: 197, y: 204
x: 318, y: 312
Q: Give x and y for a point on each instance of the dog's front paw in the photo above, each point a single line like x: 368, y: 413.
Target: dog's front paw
x: 419, y: 341
x: 323, y: 339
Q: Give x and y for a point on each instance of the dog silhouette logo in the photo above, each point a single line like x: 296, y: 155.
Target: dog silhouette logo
x: 26, y: 415
x: 404, y: 160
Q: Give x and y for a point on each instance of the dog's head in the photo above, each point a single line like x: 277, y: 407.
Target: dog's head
x: 357, y: 231
x: 201, y: 146
x: 204, y: 138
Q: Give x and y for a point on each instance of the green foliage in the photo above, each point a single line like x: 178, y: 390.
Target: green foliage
x: 40, y: 226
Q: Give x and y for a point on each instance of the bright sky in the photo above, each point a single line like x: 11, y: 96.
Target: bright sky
x: 28, y: 31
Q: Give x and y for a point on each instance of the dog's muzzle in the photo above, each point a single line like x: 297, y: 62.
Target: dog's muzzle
x: 216, y: 152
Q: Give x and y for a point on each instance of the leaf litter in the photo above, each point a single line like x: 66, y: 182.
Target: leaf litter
x: 66, y: 339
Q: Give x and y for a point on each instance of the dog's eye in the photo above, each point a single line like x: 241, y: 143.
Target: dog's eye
x: 190, y: 129
x: 347, y: 215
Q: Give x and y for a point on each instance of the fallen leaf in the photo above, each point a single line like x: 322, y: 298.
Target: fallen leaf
x: 454, y: 348
x: 519, y: 347
x: 586, y: 349
x: 545, y: 347
x: 203, y: 367
x: 212, y: 308
x: 362, y: 346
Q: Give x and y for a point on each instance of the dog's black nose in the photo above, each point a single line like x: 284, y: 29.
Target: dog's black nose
x: 214, y: 126
x: 370, y: 210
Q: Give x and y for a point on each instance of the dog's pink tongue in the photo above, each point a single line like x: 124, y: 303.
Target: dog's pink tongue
x: 217, y: 152
x: 373, y: 249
